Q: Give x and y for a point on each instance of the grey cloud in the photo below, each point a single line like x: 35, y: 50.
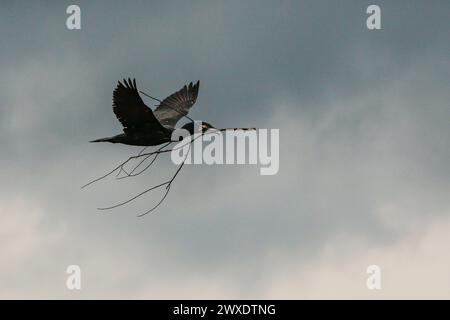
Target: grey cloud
x: 363, y: 119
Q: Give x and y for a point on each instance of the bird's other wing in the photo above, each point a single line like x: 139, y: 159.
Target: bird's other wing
x: 172, y: 108
x: 131, y: 111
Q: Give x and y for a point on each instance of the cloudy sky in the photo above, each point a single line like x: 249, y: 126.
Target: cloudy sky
x: 364, y: 150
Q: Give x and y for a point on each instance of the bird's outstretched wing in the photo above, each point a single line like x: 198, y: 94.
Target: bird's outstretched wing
x: 131, y: 111
x: 172, y: 108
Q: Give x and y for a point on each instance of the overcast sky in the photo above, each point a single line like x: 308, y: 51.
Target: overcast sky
x: 364, y: 150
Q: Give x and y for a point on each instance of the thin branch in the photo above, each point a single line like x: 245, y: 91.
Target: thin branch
x: 135, y: 197
x: 233, y: 129
x: 142, y: 151
x: 132, y: 174
x: 120, y: 167
x: 167, y: 184
x: 167, y: 190
x: 156, y: 153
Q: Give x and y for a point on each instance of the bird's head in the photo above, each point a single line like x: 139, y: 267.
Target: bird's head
x: 197, y: 127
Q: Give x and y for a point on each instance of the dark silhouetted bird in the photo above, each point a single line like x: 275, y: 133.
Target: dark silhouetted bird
x: 142, y: 126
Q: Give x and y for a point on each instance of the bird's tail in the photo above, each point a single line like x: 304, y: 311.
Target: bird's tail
x: 102, y: 140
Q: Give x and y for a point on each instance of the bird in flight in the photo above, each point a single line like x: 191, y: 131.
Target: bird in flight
x: 144, y: 127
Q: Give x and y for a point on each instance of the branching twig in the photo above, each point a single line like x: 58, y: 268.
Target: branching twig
x: 167, y: 184
x: 121, y: 168
x: 155, y: 154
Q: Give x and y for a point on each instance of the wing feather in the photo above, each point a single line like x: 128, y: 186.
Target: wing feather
x: 172, y: 108
x: 131, y: 111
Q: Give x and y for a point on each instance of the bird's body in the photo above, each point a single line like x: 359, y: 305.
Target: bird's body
x: 142, y: 126
x: 133, y: 139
